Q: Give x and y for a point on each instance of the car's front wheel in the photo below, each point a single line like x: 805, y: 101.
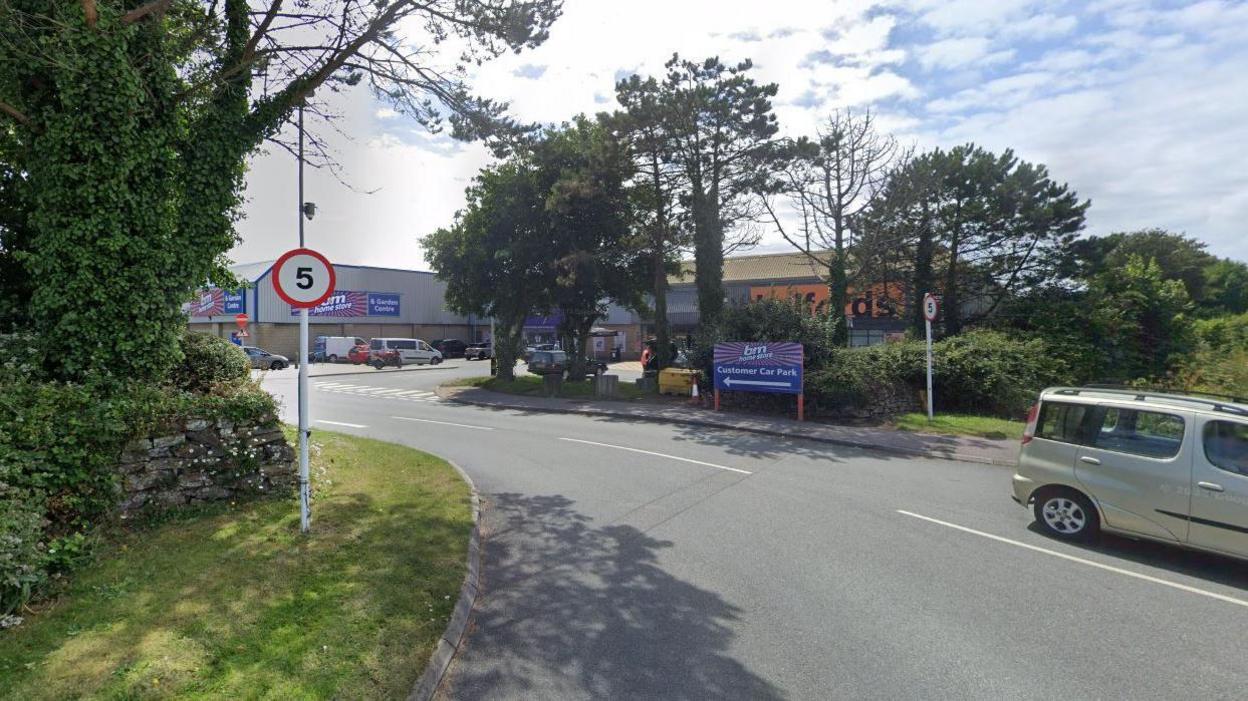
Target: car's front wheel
x: 333, y: 358
x: 436, y: 360
x: 1066, y: 514
x: 276, y: 365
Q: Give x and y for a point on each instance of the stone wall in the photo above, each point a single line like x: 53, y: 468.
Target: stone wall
x: 203, y: 460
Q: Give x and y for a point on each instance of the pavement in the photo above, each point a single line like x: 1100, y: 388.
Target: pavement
x: 631, y: 559
x: 970, y: 449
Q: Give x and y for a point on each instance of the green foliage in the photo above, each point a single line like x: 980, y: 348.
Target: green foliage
x: 1225, y: 288
x: 21, y: 547
x: 983, y: 372
x: 1221, y: 371
x: 1140, y: 318
x: 721, y: 124
x: 1223, y: 333
x: 1178, y: 257
x: 207, y: 361
x: 997, y: 225
x: 60, y: 443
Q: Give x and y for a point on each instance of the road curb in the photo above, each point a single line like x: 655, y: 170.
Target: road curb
x: 457, y: 628
x: 591, y: 411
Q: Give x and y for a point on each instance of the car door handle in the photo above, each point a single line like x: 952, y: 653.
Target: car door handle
x: 1210, y: 486
x: 1089, y: 460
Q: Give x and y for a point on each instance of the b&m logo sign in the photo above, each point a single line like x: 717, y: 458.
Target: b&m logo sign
x: 759, y: 367
x: 353, y: 303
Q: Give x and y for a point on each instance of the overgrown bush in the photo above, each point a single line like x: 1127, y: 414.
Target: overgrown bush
x: 768, y: 320
x: 21, y: 547
x: 984, y: 372
x: 208, y: 361
x: 1222, y: 333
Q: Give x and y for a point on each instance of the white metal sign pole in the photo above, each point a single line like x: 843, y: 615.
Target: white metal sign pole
x: 305, y: 506
x: 928, y: 323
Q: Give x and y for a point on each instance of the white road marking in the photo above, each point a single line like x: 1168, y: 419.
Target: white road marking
x: 416, y: 392
x: 389, y: 391
x: 1082, y: 561
x: 340, y: 423
x: 661, y: 455
x: 444, y: 423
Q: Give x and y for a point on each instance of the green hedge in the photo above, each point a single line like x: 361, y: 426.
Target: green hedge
x: 983, y: 372
x: 208, y: 361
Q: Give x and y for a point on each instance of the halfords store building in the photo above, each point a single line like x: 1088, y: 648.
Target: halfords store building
x: 367, y: 302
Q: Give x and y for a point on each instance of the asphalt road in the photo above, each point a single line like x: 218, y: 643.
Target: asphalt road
x: 718, y: 564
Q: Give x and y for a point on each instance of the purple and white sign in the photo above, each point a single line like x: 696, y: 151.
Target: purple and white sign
x: 353, y: 303
x: 759, y: 367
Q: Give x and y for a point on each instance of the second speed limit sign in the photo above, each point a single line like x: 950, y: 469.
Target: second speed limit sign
x: 931, y: 307
x: 303, y: 278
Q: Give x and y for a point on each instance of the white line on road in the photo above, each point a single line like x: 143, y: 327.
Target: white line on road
x: 444, y: 423
x: 661, y: 455
x: 1082, y: 561
x: 339, y: 423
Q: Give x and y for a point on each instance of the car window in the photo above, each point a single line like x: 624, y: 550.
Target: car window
x: 359, y: 341
x: 377, y: 344
x: 1148, y: 433
x: 423, y: 346
x: 1060, y: 421
x: 403, y: 345
x: 558, y: 357
x: 1226, y: 446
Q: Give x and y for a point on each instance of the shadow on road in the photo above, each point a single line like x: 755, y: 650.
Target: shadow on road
x: 570, y: 610
x: 1226, y: 571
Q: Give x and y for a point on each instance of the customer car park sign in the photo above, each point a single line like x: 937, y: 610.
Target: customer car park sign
x: 758, y: 367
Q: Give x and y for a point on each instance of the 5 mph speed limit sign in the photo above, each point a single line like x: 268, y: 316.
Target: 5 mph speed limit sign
x: 303, y: 278
x: 931, y: 307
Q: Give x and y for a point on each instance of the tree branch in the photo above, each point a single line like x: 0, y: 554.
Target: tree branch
x: 16, y: 114
x: 142, y: 11
x: 88, y: 9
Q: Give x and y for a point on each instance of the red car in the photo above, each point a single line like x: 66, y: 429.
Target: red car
x: 358, y: 355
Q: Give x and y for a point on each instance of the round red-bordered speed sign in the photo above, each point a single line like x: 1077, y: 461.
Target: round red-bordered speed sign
x: 303, y: 278
x: 931, y: 307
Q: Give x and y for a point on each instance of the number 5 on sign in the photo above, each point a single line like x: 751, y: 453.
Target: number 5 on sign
x: 303, y: 278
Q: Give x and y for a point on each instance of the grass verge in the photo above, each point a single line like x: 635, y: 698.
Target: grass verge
x: 233, y: 602
x: 961, y: 425
x: 531, y: 386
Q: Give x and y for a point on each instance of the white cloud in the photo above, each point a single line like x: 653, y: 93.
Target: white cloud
x: 1139, y: 105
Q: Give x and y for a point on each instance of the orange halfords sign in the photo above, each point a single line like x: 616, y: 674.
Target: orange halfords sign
x: 876, y: 300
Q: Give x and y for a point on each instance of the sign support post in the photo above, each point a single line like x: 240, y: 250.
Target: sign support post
x: 931, y: 307
x: 305, y: 515
x: 303, y: 279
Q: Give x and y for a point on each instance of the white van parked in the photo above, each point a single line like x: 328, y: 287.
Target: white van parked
x: 408, y: 350
x: 337, y: 349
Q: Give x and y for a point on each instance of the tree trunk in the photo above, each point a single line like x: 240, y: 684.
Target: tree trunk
x: 662, y: 330
x: 923, y: 278
x: 708, y: 256
x: 507, y: 347
x: 949, y: 307
x: 838, y: 296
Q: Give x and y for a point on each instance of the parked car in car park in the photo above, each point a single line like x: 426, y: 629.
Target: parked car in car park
x: 1159, y: 466
x: 530, y: 350
x: 410, y: 350
x: 450, y: 347
x: 358, y: 355
x: 479, y: 351
x: 555, y: 362
x: 264, y: 360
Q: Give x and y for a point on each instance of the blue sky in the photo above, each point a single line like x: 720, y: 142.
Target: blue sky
x: 1140, y: 106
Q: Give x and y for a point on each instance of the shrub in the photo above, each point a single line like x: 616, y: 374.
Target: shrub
x: 207, y: 361
x: 21, y: 547
x: 1224, y: 333
x: 984, y: 372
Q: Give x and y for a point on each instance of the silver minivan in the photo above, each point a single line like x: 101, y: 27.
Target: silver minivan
x: 1165, y: 467
x: 408, y: 350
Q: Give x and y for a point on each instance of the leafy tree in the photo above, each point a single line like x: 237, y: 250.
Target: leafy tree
x: 583, y: 173
x: 496, y: 257
x: 997, y: 226
x: 662, y: 226
x: 1225, y: 288
x: 830, y: 181
x: 1140, y: 318
x: 128, y: 126
x: 721, y: 125
x: 1179, y: 257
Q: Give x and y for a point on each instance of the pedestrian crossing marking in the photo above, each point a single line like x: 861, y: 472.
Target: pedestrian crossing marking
x: 408, y: 395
